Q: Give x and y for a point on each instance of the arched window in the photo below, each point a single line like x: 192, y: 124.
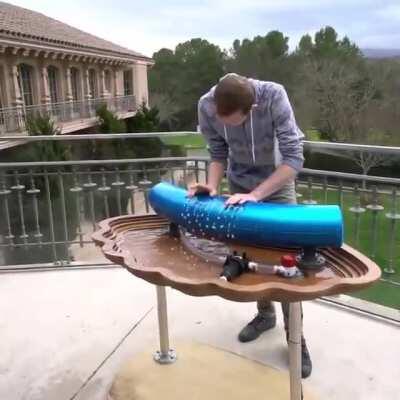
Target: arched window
x: 75, y: 84
x: 107, y: 80
x: 128, y: 83
x: 25, y: 81
x: 93, y: 83
x: 53, y: 76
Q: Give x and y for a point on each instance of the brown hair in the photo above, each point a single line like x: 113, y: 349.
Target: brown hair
x: 233, y: 93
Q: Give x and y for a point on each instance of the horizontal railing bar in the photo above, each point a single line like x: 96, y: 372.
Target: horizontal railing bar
x: 308, y: 171
x: 99, y: 136
x: 74, y: 265
x: 308, y: 144
x: 97, y: 162
x: 46, y: 243
x: 350, y: 176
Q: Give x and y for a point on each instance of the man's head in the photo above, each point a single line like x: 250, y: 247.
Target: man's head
x: 234, y: 97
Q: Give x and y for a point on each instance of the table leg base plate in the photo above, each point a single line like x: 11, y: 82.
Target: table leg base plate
x: 201, y: 372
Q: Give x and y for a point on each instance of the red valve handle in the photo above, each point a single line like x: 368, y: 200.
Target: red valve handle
x: 288, y: 261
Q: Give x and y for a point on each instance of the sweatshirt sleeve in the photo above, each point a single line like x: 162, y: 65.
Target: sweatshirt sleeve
x: 290, y: 137
x: 217, y: 146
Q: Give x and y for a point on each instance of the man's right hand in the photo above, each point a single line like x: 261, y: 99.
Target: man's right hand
x: 198, y: 188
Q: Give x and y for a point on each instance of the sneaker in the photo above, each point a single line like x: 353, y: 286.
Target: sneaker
x: 306, y: 364
x: 256, y: 327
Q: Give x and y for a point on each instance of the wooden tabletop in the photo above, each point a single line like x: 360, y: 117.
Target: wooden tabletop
x: 142, y: 244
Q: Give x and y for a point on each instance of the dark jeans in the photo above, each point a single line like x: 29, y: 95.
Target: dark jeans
x: 286, y: 195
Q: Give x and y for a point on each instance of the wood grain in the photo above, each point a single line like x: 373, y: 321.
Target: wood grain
x: 143, y: 246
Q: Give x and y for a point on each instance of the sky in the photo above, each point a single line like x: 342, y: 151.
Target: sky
x: 149, y: 25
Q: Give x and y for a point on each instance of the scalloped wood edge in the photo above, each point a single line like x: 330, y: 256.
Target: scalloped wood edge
x: 111, y: 232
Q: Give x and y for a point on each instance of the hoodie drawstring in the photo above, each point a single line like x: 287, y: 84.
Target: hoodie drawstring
x: 253, y: 153
x: 252, y: 137
x: 226, y: 134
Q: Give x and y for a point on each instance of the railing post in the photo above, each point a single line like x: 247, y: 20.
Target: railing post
x: 132, y: 188
x: 357, y: 210
x: 104, y: 189
x: 375, y: 208
x: 5, y: 193
x: 310, y: 192
x: 76, y: 190
x: 90, y: 187
x: 394, y: 217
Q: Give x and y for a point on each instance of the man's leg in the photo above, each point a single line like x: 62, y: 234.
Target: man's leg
x: 288, y: 196
x: 265, y: 318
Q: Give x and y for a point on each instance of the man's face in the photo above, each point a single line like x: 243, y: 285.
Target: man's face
x: 235, y: 119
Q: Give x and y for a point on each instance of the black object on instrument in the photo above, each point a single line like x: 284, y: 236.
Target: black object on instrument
x: 173, y: 230
x: 234, y: 266
x: 310, y: 259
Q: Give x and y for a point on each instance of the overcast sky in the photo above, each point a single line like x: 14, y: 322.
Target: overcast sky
x: 148, y: 25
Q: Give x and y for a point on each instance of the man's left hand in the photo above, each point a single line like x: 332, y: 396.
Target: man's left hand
x: 240, y: 198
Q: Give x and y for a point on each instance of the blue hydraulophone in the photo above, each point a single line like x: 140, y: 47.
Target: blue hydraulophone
x: 260, y: 224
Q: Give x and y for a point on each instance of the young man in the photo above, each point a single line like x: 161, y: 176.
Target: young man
x: 249, y: 126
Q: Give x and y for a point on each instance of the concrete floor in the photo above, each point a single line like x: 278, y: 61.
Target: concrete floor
x: 64, y: 334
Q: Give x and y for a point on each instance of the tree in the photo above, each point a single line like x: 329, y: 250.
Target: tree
x: 341, y: 86
x: 262, y: 57
x: 180, y: 77
x: 145, y: 120
x: 42, y: 124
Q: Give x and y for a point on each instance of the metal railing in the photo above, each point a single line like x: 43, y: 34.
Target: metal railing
x: 13, y: 119
x: 49, y: 209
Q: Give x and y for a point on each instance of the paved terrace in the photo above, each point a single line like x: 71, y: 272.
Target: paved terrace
x: 65, y: 333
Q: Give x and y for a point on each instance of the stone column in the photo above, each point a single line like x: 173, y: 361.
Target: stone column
x: 86, y: 85
x: 103, y: 91
x: 15, y: 120
x: 68, y: 84
x: 16, y: 92
x: 70, y: 99
x: 117, y: 91
x: 45, y: 86
x: 87, y: 109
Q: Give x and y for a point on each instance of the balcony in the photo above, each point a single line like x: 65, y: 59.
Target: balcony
x: 79, y: 316
x: 69, y: 116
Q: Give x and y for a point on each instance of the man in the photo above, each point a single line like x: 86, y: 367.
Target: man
x: 250, y: 124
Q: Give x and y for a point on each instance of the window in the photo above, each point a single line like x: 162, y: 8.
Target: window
x: 75, y: 84
x: 25, y: 73
x: 52, y: 73
x: 93, y: 83
x: 107, y: 80
x: 128, y: 83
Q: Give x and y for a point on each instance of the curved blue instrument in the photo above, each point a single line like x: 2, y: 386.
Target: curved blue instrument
x: 260, y: 224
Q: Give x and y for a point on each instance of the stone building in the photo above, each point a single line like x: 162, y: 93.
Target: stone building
x: 47, y: 66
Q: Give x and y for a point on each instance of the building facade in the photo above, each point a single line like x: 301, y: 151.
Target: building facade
x: 48, y: 67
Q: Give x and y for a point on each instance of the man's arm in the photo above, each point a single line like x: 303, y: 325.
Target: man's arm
x: 218, y: 150
x: 291, y: 148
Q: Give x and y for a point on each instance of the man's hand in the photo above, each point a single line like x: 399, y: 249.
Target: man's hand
x: 199, y: 188
x: 240, y: 198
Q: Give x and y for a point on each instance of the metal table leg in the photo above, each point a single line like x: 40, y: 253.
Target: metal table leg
x: 165, y: 355
x: 295, y: 351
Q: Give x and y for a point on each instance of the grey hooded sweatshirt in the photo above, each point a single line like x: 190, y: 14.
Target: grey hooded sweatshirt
x: 269, y: 136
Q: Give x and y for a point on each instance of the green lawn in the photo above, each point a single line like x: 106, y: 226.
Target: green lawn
x: 192, y: 141
x: 383, y: 292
